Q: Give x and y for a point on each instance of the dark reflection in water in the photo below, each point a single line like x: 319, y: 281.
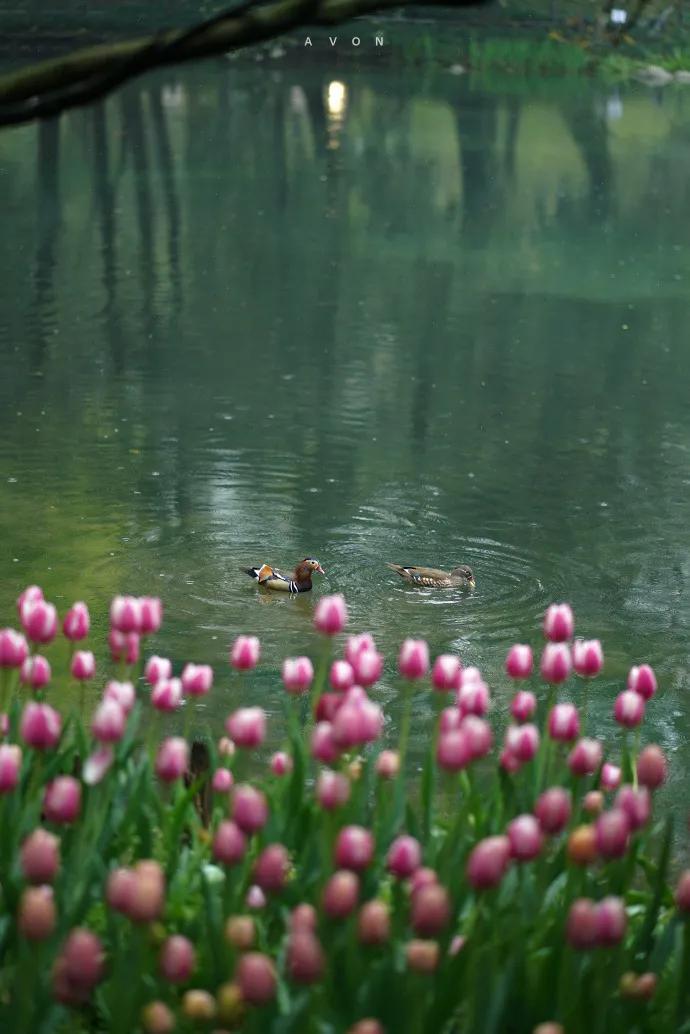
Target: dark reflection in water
x: 249, y: 317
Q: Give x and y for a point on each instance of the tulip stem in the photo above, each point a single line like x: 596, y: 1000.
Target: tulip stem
x: 635, y: 751
x: 405, y: 725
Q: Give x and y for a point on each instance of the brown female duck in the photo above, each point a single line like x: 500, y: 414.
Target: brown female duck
x: 434, y: 578
x: 298, y: 581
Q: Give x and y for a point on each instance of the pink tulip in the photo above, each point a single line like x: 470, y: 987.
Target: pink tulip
x: 151, y: 614
x: 109, y: 721
x: 35, y: 672
x: 271, y: 868
x: 10, y: 766
x: 357, y: 722
x: 83, y: 959
x: 13, y: 648
x: 340, y: 894
x: 525, y: 836
x: 585, y: 757
x: 488, y: 862
x: 555, y: 662
x: 367, y: 666
x: 76, y: 623
x: 341, y: 676
x: 612, y: 830
x: 40, y: 726
x: 226, y: 748
x: 413, y: 659
x: 651, y: 767
x: 357, y: 644
x: 519, y: 661
x: 37, y: 915
x: 422, y: 877
x: 328, y: 705
x: 124, y: 646
x: 304, y: 958
x: 642, y: 680
x: 522, y: 741
x: 120, y: 889
x: 229, y: 843
x: 523, y: 705
x: 581, y: 930
x: 62, y: 800
x: 588, y: 657
x: 453, y: 750
x: 39, y: 621
x: 83, y: 665
x: 323, y: 745
x: 167, y: 695
x: 388, y: 764
x: 122, y: 693
x: 354, y: 848
x: 559, y: 623
x: 139, y: 893
x: 255, y: 899
x: 478, y: 735
x: 97, y: 765
x: 247, y: 727
x: 564, y: 723
x: 30, y: 595
x: 332, y: 790
x: 172, y: 759
x: 593, y: 802
x: 245, y: 652
x: 157, y: 669
x: 40, y: 857
x: 610, y: 776
x: 553, y: 809
x: 508, y: 762
x: 611, y: 921
x: 222, y: 780
x: 298, y: 674
x: 249, y: 808
x: 445, y: 674
x: 629, y: 708
x: 430, y: 911
x: 280, y: 763
x: 177, y: 959
x: 682, y: 894
x: 473, y: 697
x: 197, y: 679
x: 125, y: 614
x: 636, y: 804
x: 330, y: 614
x: 450, y: 719
x: 256, y: 977
x: 404, y: 857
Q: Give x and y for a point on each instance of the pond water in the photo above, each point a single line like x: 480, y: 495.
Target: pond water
x: 252, y: 315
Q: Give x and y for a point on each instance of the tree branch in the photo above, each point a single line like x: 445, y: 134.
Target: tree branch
x: 45, y: 89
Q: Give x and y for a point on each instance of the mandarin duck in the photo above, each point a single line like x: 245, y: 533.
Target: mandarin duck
x: 434, y: 578
x: 298, y: 581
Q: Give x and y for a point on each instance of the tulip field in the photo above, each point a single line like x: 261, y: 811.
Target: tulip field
x: 521, y: 881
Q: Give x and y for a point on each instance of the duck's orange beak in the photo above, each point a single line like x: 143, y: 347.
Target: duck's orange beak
x: 320, y: 569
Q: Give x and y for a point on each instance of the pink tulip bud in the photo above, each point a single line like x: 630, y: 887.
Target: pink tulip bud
x: 13, y: 648
x: 304, y: 958
x: 330, y: 614
x: 637, y: 805
x: 120, y: 888
x: 610, y: 776
x: 271, y: 868
x: 341, y: 676
x: 525, y: 836
x: 222, y: 780
x: 367, y: 666
x: 77, y: 622
x: 83, y: 665
x: 249, y: 808
x: 585, y: 757
x: 445, y: 674
x: 125, y: 614
x: 404, y: 857
x: 430, y: 911
x: 138, y: 893
x: 83, y: 959
x: 354, y: 848
x: 166, y: 695
x: 450, y: 719
x: 328, y: 705
x: 478, y: 735
x: 247, y: 727
x: 332, y: 789
x: 172, y: 759
x: 35, y: 672
x: 642, y: 680
x: 612, y: 830
x: 523, y: 705
x: 559, y: 623
x: 357, y: 644
x: 413, y: 659
x: 256, y: 977
x: 593, y: 802
x: 157, y: 669
x: 304, y: 917
x: 97, y: 765
x: 197, y: 679
x: 62, y: 800
x: 229, y: 843
x: 37, y: 913
x: 519, y: 661
x: 453, y: 750
x: 30, y: 595
x: 651, y: 767
x: 682, y: 894
x: 522, y: 741
x: 488, y: 862
x: 281, y: 763
x: 553, y: 809
x: 121, y: 693
x: 124, y: 646
x: 581, y: 930
x: 357, y: 723
x: 373, y: 923
x: 611, y: 921
x: 422, y: 877
x: 226, y: 748
x: 422, y: 956
x: 40, y: 726
x: 473, y: 698
x: 564, y: 723
x: 508, y: 762
x: 588, y: 657
x: 388, y: 764
x: 177, y: 959
x: 245, y: 652
x: 109, y: 721
x: 255, y: 898
x: 340, y: 894
x: 555, y: 662
x: 629, y: 708
x: 40, y: 857
x: 298, y: 674
x: 323, y: 745
x: 151, y: 614
x: 39, y: 621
